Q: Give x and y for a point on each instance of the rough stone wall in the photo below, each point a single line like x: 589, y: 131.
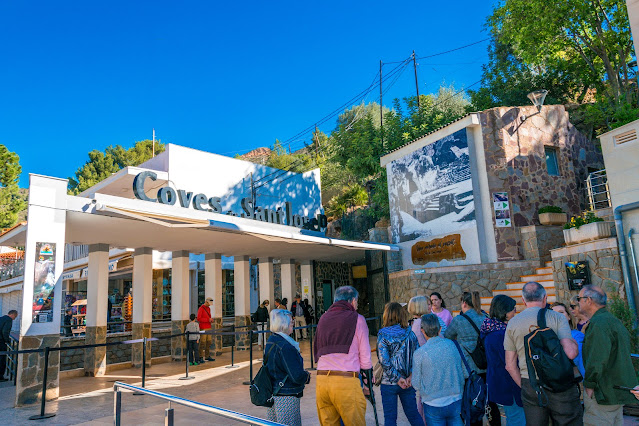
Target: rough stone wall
x: 74, y: 358
x: 604, y: 265
x: 277, y: 280
x: 537, y: 241
x: 516, y: 164
x: 161, y: 347
x: 452, y: 281
x: 340, y: 273
x: 381, y: 234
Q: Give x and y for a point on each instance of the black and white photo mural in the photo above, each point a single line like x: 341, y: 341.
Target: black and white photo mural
x: 431, y: 204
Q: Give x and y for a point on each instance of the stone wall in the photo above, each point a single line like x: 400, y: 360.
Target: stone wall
x: 340, y: 273
x: 452, y: 281
x: 603, y: 261
x: 537, y: 241
x: 515, y: 161
x: 277, y: 280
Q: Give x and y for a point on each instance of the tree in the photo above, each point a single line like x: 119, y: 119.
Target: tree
x: 101, y: 165
x: 11, y: 201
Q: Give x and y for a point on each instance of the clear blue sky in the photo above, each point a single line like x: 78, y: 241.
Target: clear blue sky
x: 224, y: 77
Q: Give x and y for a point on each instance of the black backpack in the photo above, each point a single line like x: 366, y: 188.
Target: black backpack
x: 261, y: 389
x: 548, y: 366
x: 475, y: 396
x: 479, y: 353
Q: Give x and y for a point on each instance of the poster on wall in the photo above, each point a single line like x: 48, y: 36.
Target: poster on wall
x: 577, y: 274
x: 432, y: 206
x: 501, y: 206
x: 44, y: 282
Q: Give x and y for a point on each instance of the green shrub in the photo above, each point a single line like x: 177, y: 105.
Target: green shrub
x: 550, y: 209
x: 620, y: 309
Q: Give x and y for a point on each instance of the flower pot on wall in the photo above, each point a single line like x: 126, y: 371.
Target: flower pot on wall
x: 553, y: 218
x: 589, y: 232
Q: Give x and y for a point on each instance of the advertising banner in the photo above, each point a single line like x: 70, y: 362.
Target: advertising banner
x: 44, y: 282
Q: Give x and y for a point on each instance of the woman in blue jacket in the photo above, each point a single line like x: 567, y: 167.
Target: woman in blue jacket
x: 285, y: 365
x: 501, y: 387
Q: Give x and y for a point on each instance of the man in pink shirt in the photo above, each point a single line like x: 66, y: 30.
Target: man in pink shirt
x: 342, y: 349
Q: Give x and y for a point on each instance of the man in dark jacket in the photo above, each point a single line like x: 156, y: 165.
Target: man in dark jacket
x: 606, y: 354
x: 5, y: 328
x: 300, y: 313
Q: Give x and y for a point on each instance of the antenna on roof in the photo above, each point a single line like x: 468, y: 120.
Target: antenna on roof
x: 153, y: 152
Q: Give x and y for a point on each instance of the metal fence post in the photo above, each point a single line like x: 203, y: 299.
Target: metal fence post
x: 311, y: 342
x: 187, y: 377
x: 143, y: 365
x: 168, y: 416
x: 250, y: 358
x: 43, y: 415
x: 117, y: 407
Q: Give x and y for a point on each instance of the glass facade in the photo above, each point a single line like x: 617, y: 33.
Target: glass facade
x: 161, y: 295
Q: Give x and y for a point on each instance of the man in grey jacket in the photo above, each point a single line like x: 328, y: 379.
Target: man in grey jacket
x: 6, y: 322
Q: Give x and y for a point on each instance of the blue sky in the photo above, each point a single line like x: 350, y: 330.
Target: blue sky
x: 224, y: 77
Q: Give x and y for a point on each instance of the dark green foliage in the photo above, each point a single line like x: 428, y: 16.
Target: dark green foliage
x: 11, y: 200
x: 550, y: 209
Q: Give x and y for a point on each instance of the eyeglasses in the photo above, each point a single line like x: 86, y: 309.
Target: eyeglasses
x: 578, y: 298
x: 573, y: 306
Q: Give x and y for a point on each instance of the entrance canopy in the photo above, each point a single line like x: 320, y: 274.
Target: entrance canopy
x: 131, y: 223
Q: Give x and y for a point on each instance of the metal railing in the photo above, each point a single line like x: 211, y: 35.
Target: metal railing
x: 169, y: 414
x: 597, y: 191
x: 12, y: 359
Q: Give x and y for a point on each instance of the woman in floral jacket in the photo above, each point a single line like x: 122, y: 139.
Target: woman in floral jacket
x: 396, y: 344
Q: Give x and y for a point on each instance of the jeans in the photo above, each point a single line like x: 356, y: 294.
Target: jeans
x: 408, y: 399
x: 564, y: 408
x: 193, y: 350
x: 514, y: 415
x: 449, y: 415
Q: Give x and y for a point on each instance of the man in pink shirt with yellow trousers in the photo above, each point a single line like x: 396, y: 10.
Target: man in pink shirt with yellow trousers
x: 342, y: 349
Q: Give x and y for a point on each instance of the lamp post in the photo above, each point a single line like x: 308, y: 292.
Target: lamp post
x: 537, y: 98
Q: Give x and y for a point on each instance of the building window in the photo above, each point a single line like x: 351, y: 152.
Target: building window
x: 551, y: 161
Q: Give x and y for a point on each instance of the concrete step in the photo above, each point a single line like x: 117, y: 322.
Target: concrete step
x: 487, y: 300
x: 543, y: 271
x: 514, y: 293
x: 548, y: 264
x: 536, y: 277
x: 520, y: 284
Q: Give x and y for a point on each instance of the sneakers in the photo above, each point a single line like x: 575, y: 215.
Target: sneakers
x: 193, y: 363
x: 210, y: 359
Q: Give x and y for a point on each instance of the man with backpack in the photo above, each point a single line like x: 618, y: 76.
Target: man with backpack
x: 552, y: 348
x: 607, y: 360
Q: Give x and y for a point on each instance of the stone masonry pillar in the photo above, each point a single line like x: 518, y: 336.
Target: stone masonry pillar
x: 142, y: 299
x: 242, y: 287
x: 179, y: 302
x: 97, y: 305
x: 288, y: 280
x: 213, y: 288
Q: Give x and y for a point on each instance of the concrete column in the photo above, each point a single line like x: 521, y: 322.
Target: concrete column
x: 242, y: 288
x: 97, y: 307
x: 213, y: 288
x: 308, y: 284
x: 179, y: 302
x: 142, y: 302
x: 46, y: 222
x: 267, y: 281
x: 288, y: 280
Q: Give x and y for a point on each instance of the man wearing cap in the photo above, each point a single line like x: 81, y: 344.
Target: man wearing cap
x: 300, y: 313
x: 205, y: 319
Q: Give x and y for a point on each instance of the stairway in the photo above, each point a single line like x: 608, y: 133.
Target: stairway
x: 543, y: 276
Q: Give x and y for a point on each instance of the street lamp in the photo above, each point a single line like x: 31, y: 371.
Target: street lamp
x: 537, y: 98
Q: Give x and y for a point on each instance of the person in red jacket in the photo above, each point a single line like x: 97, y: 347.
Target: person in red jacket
x: 204, y: 319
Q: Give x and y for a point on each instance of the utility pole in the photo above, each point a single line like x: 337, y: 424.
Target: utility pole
x: 416, y: 84
x: 153, y: 155
x: 316, y: 142
x: 381, y: 108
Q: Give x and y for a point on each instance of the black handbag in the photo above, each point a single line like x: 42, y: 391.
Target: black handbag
x: 261, y: 390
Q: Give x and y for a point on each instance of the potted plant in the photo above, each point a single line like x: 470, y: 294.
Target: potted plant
x: 552, y: 215
x: 587, y: 227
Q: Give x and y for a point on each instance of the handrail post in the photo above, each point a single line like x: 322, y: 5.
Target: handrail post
x: 44, y: 389
x: 250, y: 381
x: 233, y: 353
x: 311, y: 342
x: 143, y: 365
x: 188, y: 341
x: 169, y: 416
x: 117, y: 407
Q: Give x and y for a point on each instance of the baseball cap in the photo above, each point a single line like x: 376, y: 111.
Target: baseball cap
x: 209, y: 299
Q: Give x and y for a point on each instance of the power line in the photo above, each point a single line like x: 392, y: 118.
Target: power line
x: 453, y: 50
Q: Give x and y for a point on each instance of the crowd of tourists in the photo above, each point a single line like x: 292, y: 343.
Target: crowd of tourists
x: 569, y: 365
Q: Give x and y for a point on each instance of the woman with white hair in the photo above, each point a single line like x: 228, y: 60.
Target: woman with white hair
x: 285, y: 366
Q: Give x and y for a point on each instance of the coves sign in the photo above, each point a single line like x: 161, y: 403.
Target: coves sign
x: 170, y: 196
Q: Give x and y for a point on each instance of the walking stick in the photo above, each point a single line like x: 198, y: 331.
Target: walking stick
x: 368, y: 377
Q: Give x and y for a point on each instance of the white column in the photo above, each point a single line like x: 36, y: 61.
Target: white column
x: 180, y: 286
x: 213, y: 282
x: 308, y: 285
x: 98, y: 285
x: 242, y: 286
x: 288, y: 280
x: 267, y: 282
x: 143, y: 285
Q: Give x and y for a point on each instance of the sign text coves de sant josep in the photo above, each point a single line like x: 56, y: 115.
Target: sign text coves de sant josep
x: 170, y: 196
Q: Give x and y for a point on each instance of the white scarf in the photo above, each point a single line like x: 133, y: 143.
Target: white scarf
x: 290, y: 340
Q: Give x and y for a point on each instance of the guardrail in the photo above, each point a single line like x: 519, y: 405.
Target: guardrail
x: 169, y: 414
x: 597, y: 190
x: 12, y: 270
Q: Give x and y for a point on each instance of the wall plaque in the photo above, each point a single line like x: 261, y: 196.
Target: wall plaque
x: 447, y: 248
